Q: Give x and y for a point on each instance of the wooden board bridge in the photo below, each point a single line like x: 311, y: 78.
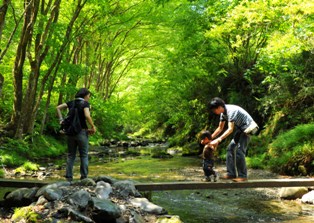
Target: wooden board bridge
x: 224, y: 184
x: 187, y: 185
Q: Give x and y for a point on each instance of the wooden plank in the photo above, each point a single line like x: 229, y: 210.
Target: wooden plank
x: 222, y: 184
x: 186, y: 185
x: 21, y: 183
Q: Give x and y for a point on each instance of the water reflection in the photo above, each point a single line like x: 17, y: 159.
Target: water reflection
x: 240, y: 205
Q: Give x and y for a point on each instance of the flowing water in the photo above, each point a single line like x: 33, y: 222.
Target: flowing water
x: 235, y: 206
x: 220, y: 205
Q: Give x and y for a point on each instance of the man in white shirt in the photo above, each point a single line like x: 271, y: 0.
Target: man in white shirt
x: 240, y: 122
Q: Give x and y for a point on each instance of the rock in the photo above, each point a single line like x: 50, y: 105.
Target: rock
x: 41, y: 191
x: 302, y: 170
x: 103, y: 190
x: 136, y: 218
x: 105, y: 209
x: 21, y: 197
x: 62, y: 213
x: 41, y: 200
x: 77, y: 216
x: 126, y: 188
x: 291, y: 193
x: 55, y: 205
x: 147, y: 206
x: 66, y: 212
x: 106, y: 179
x: 87, y: 182
x: 80, y: 199
x: 169, y: 219
x: 42, y: 168
x: 308, y: 198
x: 53, y: 194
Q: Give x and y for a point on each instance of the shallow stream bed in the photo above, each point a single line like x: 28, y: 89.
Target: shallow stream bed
x: 233, y: 205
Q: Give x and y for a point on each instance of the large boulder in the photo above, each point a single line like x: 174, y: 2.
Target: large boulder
x: 292, y: 193
x: 103, y: 190
x: 106, y: 179
x: 56, y: 185
x: 20, y: 197
x: 126, y: 188
x: 147, y: 206
x: 308, y: 197
x: 52, y: 194
x: 105, y: 209
x: 80, y: 199
x: 75, y: 215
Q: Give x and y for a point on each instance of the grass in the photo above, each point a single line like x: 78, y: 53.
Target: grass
x: 27, y: 166
x: 292, y: 152
x: 16, y: 152
x: 2, y: 173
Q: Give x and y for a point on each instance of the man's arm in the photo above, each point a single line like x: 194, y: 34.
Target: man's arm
x: 59, y: 108
x: 89, y: 120
x: 224, y: 135
x: 219, y: 129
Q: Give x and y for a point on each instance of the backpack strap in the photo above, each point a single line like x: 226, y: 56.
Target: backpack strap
x: 77, y: 101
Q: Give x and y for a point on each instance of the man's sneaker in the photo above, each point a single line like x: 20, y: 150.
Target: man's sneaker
x: 227, y: 177
x: 239, y: 179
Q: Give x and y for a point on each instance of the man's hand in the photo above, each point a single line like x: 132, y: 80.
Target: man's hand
x: 215, y: 143
x: 92, y: 130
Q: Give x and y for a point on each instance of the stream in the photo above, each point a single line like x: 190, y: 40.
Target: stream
x: 219, y: 205
x: 233, y: 205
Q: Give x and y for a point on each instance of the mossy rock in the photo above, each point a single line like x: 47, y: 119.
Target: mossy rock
x: 25, y: 214
x: 169, y: 219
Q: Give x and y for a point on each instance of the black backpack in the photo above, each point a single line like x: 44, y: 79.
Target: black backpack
x: 71, y: 125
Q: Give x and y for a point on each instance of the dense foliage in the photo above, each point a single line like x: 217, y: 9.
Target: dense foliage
x: 152, y: 67
x: 292, y: 152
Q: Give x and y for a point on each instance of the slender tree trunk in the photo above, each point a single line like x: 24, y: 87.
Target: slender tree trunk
x: 50, y: 87
x: 1, y: 83
x: 41, y: 49
x: 3, y: 12
x: 56, y: 62
x: 2, y: 19
x: 26, y: 35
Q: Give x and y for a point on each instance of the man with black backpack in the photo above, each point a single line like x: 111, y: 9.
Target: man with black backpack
x: 75, y: 127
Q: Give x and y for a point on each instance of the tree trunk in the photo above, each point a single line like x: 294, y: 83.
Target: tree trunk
x: 55, y: 63
x: 41, y: 49
x: 3, y: 12
x: 30, y: 103
x: 30, y: 15
x: 1, y: 83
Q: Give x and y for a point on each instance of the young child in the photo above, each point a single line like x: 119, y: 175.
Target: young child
x: 208, y: 156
